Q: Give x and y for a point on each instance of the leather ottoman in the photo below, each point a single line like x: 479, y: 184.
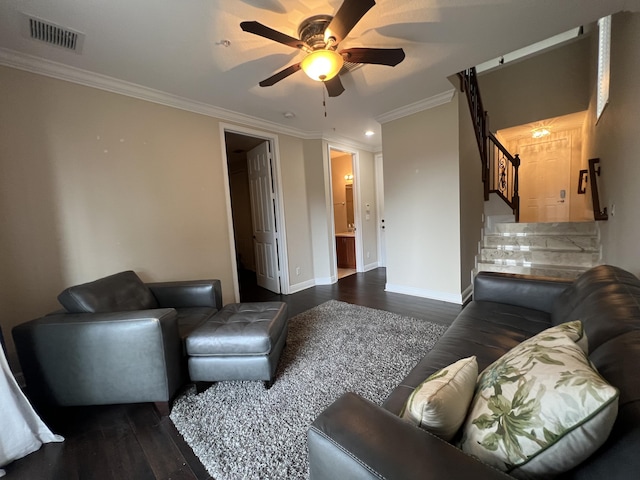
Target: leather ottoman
x: 243, y: 341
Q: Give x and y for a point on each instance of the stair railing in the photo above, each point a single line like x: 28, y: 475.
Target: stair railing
x: 503, y: 174
x: 499, y: 167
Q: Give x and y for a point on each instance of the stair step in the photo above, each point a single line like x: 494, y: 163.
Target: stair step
x: 539, y: 257
x: 554, y: 249
x: 568, y: 272
x: 578, y: 243
x: 553, y: 228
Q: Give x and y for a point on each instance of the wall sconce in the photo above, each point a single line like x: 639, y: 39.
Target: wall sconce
x: 348, y: 177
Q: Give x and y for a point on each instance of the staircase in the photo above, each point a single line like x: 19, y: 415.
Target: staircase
x: 561, y: 250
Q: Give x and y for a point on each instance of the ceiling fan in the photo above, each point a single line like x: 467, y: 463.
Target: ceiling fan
x: 320, y: 36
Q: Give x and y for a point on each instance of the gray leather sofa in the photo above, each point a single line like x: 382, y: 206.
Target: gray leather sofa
x: 118, y: 340
x: 356, y: 439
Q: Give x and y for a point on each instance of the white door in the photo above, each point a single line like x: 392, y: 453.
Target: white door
x: 265, y: 233
x: 544, y: 181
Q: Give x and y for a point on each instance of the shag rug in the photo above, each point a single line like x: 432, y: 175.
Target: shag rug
x: 240, y: 430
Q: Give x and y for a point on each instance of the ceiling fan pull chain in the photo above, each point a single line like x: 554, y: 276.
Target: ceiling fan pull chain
x: 324, y: 100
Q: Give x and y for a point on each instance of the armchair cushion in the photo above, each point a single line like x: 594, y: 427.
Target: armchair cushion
x: 120, y: 292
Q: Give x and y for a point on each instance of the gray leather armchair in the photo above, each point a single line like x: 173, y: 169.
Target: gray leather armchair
x: 117, y: 341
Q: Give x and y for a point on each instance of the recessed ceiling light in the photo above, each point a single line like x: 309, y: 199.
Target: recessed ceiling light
x: 369, y: 133
x: 289, y: 115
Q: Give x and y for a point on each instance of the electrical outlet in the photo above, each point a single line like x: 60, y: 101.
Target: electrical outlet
x: 298, y: 271
x: 368, y: 254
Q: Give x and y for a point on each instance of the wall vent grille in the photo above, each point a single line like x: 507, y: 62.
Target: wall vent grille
x: 53, y: 34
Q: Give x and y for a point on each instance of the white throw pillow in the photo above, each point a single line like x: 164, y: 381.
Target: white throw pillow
x: 440, y: 403
x: 540, y: 409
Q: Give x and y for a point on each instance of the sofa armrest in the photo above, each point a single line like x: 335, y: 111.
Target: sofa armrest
x: 538, y: 293
x: 188, y: 293
x: 356, y: 439
x: 101, y: 358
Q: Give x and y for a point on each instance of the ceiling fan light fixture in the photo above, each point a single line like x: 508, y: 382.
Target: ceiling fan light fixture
x: 322, y: 65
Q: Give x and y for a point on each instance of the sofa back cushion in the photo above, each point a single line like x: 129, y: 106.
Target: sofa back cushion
x: 122, y: 291
x: 607, y: 301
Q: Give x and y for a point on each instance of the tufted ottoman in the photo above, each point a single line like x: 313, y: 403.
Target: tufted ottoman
x: 243, y: 341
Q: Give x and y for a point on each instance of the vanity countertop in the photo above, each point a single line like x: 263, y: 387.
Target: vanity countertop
x: 346, y: 234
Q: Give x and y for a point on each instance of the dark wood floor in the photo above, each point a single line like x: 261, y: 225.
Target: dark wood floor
x: 132, y: 442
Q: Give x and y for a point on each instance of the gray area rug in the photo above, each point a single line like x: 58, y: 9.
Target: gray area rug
x: 239, y: 430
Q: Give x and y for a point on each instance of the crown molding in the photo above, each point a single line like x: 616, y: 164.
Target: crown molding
x: 40, y: 66
x: 419, y: 106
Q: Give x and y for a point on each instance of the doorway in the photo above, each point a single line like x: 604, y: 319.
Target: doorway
x: 256, y: 226
x: 344, y: 199
x: 551, y: 158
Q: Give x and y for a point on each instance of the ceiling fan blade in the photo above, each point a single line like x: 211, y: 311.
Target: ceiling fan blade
x: 281, y: 75
x: 380, y: 56
x: 262, y: 30
x: 345, y: 19
x: 334, y: 86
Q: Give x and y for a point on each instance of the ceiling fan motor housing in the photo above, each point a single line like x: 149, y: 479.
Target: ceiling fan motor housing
x: 311, y: 31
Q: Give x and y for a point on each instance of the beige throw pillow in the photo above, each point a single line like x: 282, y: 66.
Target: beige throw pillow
x: 440, y: 403
x: 540, y: 409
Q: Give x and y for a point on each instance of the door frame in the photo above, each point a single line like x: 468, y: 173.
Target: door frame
x: 281, y: 236
x: 355, y: 165
x: 382, y: 243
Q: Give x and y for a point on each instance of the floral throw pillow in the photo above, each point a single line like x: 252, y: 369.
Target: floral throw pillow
x: 540, y: 409
x: 440, y: 403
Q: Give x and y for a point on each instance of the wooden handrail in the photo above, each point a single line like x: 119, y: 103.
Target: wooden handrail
x: 598, y: 214
x: 499, y: 167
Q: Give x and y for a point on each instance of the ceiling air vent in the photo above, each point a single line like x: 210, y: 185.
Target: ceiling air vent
x: 53, y: 34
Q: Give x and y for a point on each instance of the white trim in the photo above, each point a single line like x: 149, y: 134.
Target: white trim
x: 604, y: 65
x: 355, y: 165
x: 298, y: 287
x: 426, y: 104
x: 349, y: 143
x: 379, y: 173
x: 49, y: 68
x: 420, y: 292
x: 468, y: 292
x: 326, y: 280
x: 227, y: 202
x: 280, y: 221
x: 371, y: 266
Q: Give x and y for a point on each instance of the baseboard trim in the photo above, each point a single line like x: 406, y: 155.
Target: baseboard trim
x: 326, y: 280
x: 298, y: 287
x: 370, y: 266
x: 467, y: 293
x: 423, y: 293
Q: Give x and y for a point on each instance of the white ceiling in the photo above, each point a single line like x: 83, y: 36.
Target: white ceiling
x: 174, y: 46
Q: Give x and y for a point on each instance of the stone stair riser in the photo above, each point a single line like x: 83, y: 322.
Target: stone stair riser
x: 541, y: 242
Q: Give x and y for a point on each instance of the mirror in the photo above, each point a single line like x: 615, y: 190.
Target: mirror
x: 349, y: 201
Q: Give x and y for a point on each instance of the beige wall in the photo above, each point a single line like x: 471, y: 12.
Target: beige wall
x: 616, y: 141
x: 547, y: 85
x: 296, y: 210
x: 93, y: 183
x: 471, y: 193
x: 422, y: 203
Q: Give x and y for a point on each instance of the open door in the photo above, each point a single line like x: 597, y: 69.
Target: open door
x: 263, y: 217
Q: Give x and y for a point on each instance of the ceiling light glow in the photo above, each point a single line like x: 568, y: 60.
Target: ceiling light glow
x: 369, y: 133
x: 322, y: 65
x: 540, y: 132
